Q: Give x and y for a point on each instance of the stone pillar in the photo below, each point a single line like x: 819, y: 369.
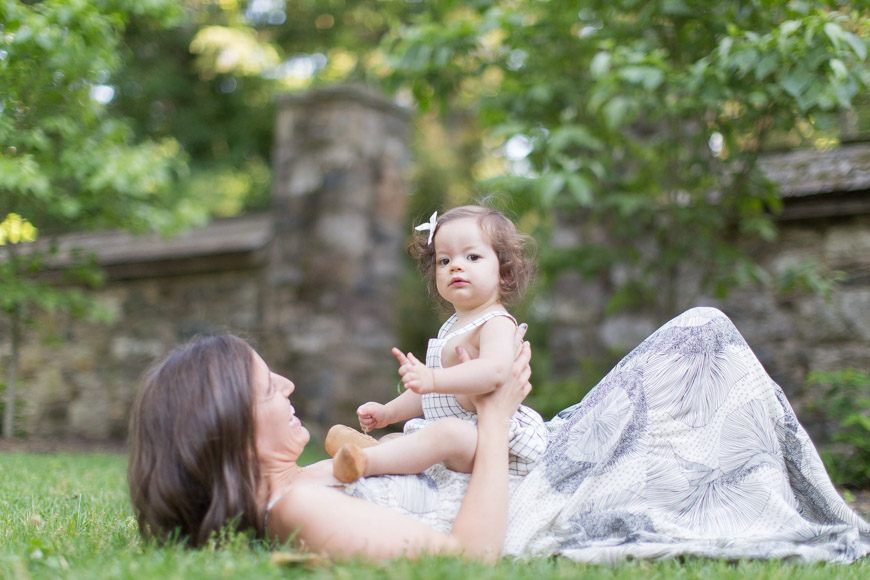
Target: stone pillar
x: 339, y: 202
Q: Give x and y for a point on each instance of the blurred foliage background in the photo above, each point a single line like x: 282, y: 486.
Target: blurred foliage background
x: 639, y: 122
x: 643, y: 118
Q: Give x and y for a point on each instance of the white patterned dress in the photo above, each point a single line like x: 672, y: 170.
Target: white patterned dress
x: 528, y: 433
x: 687, y: 447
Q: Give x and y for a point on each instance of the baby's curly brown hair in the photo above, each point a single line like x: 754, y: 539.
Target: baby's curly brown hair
x: 515, y: 252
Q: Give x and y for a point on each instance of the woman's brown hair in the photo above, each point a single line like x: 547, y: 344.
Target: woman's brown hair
x: 193, y: 464
x: 514, y: 251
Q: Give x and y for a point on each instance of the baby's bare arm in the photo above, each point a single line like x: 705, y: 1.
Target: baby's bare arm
x: 480, y: 375
x: 374, y: 415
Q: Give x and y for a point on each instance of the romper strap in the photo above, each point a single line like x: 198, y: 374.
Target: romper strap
x: 479, y: 321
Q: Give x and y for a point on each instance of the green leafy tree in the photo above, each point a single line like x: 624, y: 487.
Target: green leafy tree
x: 65, y: 163
x: 843, y: 404
x: 204, y: 82
x: 211, y: 80
x: 641, y: 122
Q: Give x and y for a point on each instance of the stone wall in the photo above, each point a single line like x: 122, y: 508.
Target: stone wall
x: 792, y: 333
x: 78, y: 379
x: 826, y: 220
x: 340, y: 201
x: 802, y: 332
x: 311, y: 283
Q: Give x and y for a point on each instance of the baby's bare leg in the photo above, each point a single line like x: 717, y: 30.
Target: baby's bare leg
x: 450, y: 440
x: 390, y: 436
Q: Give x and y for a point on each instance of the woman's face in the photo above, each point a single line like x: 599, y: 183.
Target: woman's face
x: 279, y: 432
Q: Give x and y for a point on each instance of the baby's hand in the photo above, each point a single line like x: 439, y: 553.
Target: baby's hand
x: 415, y: 375
x: 372, y: 416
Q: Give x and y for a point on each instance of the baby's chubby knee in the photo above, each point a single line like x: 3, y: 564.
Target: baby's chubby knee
x: 453, y: 431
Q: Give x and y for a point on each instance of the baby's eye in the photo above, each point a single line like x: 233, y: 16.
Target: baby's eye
x: 443, y: 261
x: 473, y: 257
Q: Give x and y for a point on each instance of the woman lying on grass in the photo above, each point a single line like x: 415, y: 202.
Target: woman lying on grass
x: 215, y: 437
x: 686, y: 447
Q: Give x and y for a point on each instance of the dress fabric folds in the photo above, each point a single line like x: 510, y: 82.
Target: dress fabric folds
x: 687, y: 447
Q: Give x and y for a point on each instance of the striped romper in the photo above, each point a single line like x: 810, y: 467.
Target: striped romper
x: 528, y: 434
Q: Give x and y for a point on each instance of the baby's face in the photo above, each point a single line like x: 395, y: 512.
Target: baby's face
x: 466, y: 265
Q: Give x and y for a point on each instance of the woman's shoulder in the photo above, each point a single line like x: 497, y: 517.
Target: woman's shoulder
x: 298, y: 505
x: 310, y: 484
x: 298, y: 495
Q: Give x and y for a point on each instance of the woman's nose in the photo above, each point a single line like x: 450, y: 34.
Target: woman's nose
x: 286, y: 385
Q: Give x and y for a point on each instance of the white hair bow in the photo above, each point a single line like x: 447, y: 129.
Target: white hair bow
x: 431, y: 225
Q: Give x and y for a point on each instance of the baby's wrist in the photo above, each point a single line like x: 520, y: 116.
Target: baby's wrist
x: 431, y: 381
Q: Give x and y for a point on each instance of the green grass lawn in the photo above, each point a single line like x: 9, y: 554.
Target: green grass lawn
x: 67, y: 515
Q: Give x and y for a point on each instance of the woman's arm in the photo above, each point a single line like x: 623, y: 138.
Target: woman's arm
x: 480, y: 375
x: 329, y: 521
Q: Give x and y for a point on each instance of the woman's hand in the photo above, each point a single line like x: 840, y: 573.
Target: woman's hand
x: 505, y: 400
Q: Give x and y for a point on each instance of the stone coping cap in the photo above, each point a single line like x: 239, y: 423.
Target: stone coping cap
x: 356, y: 93
x: 805, y: 172
x: 224, y: 236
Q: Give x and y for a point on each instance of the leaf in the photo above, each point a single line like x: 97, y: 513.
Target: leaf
x: 845, y: 93
x: 551, y: 186
x: 15, y: 229
x: 600, y: 65
x: 597, y: 168
x: 541, y: 93
x: 789, y: 26
x: 758, y: 99
x: 796, y: 82
x: 647, y: 76
x: 760, y: 225
x: 725, y: 47
x: 858, y: 45
x: 834, y: 33
x: 616, y: 111
x: 768, y: 64
x: 577, y: 135
x: 581, y: 189
x: 838, y: 68
x: 676, y: 7
x: 837, y: 36
x: 746, y: 59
